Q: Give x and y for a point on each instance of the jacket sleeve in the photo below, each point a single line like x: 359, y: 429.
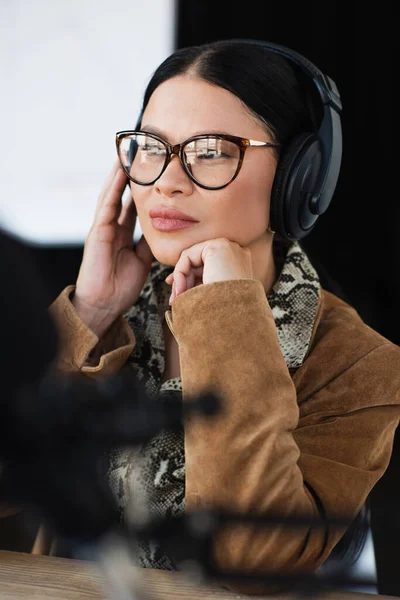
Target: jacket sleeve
x: 256, y: 456
x: 80, y: 349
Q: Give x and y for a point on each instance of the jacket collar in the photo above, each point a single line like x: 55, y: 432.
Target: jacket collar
x: 294, y: 301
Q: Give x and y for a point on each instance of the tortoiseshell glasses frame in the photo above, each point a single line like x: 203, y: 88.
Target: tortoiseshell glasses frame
x: 178, y: 150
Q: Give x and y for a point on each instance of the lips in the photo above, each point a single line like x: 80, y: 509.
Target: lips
x: 170, y: 219
x: 169, y: 213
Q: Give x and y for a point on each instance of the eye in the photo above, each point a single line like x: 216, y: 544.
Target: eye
x: 211, y: 149
x: 153, y: 149
x: 209, y: 154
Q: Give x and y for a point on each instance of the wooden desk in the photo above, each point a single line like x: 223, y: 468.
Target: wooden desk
x: 24, y: 576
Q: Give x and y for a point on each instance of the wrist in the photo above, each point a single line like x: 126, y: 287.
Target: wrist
x: 97, y: 319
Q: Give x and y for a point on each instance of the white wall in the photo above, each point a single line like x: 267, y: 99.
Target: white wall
x: 71, y: 71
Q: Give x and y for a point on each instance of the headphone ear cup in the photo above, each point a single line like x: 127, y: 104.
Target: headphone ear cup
x: 294, y: 180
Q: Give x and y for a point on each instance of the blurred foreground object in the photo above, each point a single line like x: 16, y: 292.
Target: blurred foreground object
x: 29, y: 339
x: 56, y: 432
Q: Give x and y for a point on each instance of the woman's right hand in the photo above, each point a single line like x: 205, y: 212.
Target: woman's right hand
x: 112, y: 273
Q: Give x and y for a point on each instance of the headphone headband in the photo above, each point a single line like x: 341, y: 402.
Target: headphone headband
x: 326, y: 87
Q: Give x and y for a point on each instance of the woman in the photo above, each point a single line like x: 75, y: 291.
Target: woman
x: 211, y: 298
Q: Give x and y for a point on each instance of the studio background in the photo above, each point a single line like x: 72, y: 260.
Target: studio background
x: 354, y: 245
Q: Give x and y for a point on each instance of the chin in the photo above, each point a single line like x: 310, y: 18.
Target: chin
x: 166, y: 253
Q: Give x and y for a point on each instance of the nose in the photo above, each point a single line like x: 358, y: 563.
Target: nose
x: 174, y: 180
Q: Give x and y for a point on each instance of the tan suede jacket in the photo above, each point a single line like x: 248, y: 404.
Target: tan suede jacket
x: 287, y: 441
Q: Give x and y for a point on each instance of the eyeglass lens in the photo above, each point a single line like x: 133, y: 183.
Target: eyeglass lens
x: 210, y: 160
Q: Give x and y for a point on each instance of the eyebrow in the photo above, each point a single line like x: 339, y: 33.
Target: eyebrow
x: 156, y: 131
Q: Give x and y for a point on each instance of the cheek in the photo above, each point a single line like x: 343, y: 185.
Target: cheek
x: 243, y: 214
x: 255, y: 192
x: 138, y: 196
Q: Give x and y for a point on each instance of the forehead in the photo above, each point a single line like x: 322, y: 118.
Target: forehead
x: 184, y: 106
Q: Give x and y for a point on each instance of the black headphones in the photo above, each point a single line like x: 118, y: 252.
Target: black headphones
x: 309, y: 165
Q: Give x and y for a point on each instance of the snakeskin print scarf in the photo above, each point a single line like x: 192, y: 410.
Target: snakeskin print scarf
x: 154, y: 474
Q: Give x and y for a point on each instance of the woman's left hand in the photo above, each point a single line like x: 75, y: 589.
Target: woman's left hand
x: 208, y: 262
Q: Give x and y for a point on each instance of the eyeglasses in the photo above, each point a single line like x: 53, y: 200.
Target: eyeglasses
x: 212, y: 161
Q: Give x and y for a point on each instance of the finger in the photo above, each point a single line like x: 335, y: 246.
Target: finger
x: 110, y: 205
x: 190, y: 280
x: 182, y: 270
x: 191, y: 258
x: 107, y: 183
x: 195, y: 278
x: 188, y: 260
x: 180, y: 282
x: 127, y: 218
x: 188, y: 268
x: 173, y: 294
